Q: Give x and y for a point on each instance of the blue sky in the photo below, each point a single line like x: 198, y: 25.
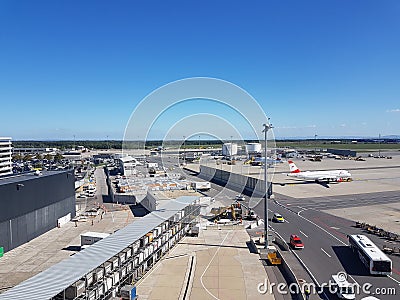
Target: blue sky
x: 80, y: 68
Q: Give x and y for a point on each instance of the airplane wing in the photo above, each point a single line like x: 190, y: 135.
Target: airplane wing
x: 324, y: 184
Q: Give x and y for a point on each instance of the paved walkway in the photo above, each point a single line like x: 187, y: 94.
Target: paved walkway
x: 221, y: 266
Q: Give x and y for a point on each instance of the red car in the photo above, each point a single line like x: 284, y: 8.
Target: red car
x: 296, y: 242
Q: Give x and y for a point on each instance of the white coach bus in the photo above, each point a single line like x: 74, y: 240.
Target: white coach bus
x: 377, y: 262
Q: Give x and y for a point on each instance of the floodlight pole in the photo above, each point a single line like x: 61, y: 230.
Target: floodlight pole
x: 266, y: 196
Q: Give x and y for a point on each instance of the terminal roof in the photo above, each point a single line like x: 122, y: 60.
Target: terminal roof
x: 57, y: 278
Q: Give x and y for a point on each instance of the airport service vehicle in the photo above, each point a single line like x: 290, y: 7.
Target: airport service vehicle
x: 90, y: 193
x: 278, y: 218
x: 250, y: 215
x: 240, y: 198
x: 343, y: 288
x: 296, y: 242
x: 152, y: 165
x: 194, y: 231
x: 377, y: 262
x: 201, y: 185
x: 318, y: 176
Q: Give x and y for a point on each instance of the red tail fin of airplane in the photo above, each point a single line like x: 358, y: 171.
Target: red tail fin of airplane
x: 293, y: 167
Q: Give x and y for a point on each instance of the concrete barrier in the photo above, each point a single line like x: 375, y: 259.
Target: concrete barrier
x: 290, y: 267
x: 280, y: 242
x: 237, y: 182
x: 224, y: 227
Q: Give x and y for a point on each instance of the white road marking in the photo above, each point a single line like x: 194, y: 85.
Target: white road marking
x: 323, y: 229
x: 336, y: 228
x: 206, y: 269
x: 303, y: 234
x: 147, y: 275
x: 395, y: 280
x: 307, y: 269
x: 326, y: 252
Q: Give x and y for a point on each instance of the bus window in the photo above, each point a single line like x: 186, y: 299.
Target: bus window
x: 381, y: 266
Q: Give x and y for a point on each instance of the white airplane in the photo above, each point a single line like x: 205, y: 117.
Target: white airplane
x: 319, y: 176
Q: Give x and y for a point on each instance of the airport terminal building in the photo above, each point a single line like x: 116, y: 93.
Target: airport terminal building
x: 32, y: 204
x: 5, y: 156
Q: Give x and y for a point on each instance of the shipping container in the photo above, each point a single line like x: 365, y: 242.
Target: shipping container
x: 98, y: 274
x: 116, y: 277
x: 93, y: 294
x: 177, y: 217
x: 135, y: 247
x: 136, y: 274
x: 108, y: 283
x: 141, y: 257
x: 129, y: 267
x: 144, y: 241
x: 123, y: 272
x: 122, y: 257
x: 108, y: 267
x: 75, y: 290
x: 89, y: 279
x: 128, y: 252
x: 100, y: 290
x: 114, y: 262
x: 150, y: 237
x: 159, y: 230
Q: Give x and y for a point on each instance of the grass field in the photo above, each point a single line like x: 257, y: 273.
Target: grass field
x: 345, y: 146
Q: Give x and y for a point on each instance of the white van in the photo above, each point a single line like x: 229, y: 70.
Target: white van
x: 343, y: 288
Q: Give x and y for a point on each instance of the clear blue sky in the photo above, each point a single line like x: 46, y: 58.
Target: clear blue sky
x: 80, y: 67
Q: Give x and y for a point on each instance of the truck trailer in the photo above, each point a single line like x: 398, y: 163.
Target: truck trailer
x: 201, y: 185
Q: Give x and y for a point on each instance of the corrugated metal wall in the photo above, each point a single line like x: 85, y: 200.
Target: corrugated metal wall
x: 33, y: 209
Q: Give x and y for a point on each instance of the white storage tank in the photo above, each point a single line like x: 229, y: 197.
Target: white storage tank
x: 229, y: 149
